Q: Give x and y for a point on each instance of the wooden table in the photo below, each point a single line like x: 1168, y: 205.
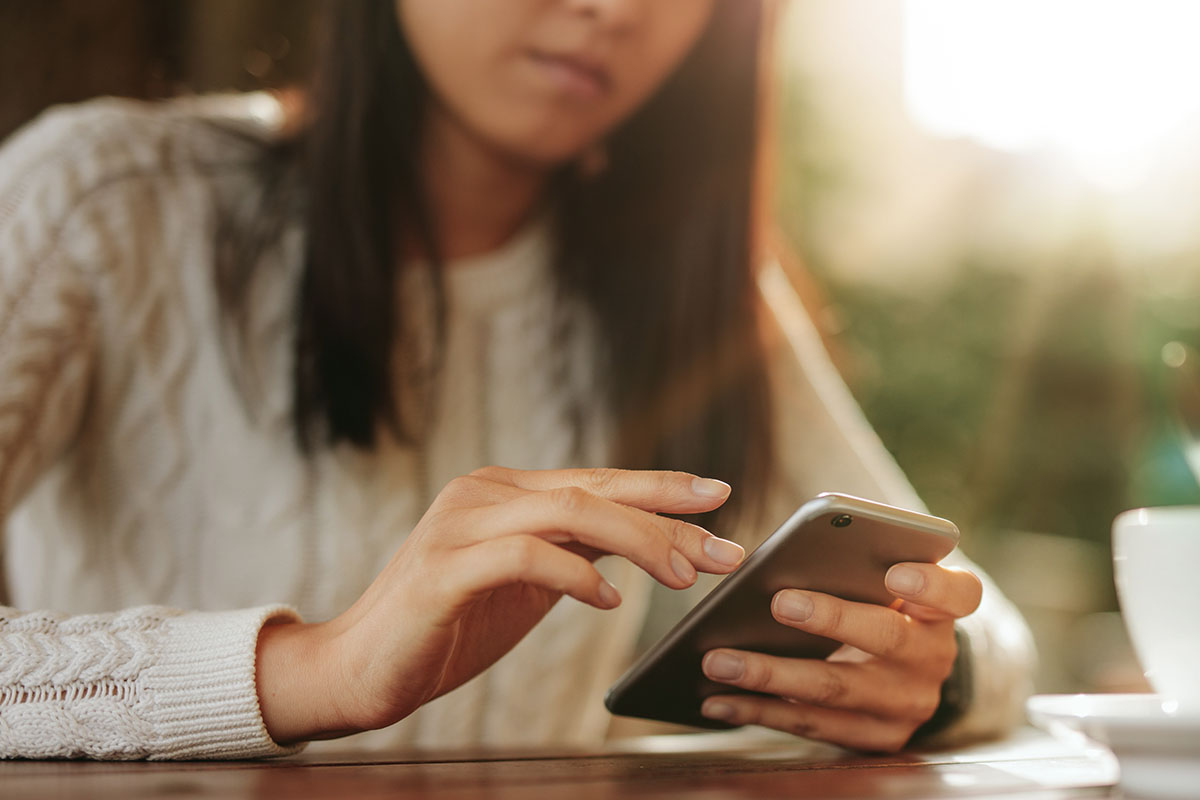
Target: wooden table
x: 709, y: 766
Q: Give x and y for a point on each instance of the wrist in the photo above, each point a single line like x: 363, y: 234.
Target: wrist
x: 296, y: 693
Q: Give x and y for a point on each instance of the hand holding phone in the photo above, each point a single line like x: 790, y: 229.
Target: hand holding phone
x: 835, y: 544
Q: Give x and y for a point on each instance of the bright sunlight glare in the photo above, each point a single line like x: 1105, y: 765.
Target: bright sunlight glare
x: 1105, y: 82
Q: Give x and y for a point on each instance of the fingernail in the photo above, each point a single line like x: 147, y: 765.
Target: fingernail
x: 905, y: 580
x: 723, y: 667
x: 723, y: 550
x: 683, y: 568
x: 715, y: 709
x: 794, y: 606
x: 609, y: 595
x: 708, y: 487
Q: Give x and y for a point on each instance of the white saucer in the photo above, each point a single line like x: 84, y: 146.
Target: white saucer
x: 1156, y: 744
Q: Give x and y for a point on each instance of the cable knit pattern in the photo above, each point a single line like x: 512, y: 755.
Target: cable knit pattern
x: 156, y: 502
x: 142, y: 683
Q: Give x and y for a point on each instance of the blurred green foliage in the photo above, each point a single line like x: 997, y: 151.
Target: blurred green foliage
x: 1027, y: 397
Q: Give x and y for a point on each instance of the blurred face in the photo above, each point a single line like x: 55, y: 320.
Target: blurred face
x: 540, y: 80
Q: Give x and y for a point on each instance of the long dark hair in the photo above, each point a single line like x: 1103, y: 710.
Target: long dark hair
x: 658, y: 246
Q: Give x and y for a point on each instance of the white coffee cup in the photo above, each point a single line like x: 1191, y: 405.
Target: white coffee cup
x: 1156, y: 557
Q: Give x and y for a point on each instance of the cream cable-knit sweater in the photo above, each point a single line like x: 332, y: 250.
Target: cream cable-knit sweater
x: 161, y: 519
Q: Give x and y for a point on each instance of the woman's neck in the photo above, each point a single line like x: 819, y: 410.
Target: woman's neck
x: 479, y: 197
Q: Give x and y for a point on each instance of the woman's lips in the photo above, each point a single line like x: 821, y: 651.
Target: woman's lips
x: 574, y: 75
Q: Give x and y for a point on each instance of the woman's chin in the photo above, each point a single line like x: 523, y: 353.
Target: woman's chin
x: 546, y: 151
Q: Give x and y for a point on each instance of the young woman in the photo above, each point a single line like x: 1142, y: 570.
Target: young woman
x: 254, y: 366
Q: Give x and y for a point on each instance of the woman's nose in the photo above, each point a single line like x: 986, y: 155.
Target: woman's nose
x: 610, y: 13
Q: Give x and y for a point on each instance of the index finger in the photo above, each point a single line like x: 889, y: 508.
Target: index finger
x: 937, y: 591
x: 650, y: 490
x: 874, y: 629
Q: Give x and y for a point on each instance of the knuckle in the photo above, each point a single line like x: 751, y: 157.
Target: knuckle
x: 460, y: 489
x: 829, y: 689
x: 896, y: 636
x: 449, y: 493
x: 601, y: 480
x: 570, y: 500
x: 748, y: 713
x: 677, y: 531
x: 663, y: 484
x: 801, y: 725
x: 758, y: 675
x: 830, y: 616
x: 489, y: 473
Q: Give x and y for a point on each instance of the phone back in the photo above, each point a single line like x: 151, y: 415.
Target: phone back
x: 835, y: 544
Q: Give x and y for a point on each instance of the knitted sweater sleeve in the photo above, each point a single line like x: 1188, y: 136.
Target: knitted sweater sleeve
x: 144, y: 682
x: 828, y: 445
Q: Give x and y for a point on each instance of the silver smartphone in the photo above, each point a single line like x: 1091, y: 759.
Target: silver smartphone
x: 835, y: 543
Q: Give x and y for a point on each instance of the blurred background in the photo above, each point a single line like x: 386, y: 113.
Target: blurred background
x: 994, y: 205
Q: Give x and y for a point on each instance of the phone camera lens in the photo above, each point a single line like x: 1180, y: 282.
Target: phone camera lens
x: 841, y: 520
